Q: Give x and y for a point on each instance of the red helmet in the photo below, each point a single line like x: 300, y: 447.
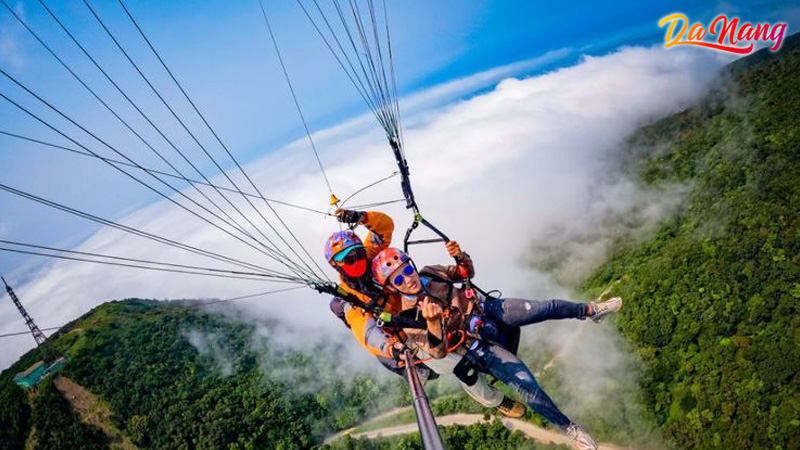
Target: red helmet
x: 386, y: 263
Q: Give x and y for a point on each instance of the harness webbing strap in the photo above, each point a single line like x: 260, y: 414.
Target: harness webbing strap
x: 387, y: 318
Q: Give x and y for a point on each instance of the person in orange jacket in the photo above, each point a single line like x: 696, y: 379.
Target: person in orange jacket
x: 346, y: 252
x: 350, y: 256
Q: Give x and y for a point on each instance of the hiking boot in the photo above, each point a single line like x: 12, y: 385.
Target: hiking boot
x: 511, y: 408
x: 581, y: 440
x: 602, y: 309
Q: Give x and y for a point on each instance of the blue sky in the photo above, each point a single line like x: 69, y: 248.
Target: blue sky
x: 220, y: 51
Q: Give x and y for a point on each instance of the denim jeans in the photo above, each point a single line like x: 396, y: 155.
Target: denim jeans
x: 481, y: 391
x: 517, y: 312
x: 506, y: 367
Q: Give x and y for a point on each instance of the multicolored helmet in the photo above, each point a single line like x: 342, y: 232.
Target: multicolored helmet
x: 339, y: 242
x: 386, y: 263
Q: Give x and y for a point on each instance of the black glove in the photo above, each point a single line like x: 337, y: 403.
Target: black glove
x: 350, y: 216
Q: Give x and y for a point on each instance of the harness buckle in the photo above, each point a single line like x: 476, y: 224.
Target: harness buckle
x: 383, y: 318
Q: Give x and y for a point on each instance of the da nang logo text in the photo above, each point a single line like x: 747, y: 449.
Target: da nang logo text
x: 730, y: 35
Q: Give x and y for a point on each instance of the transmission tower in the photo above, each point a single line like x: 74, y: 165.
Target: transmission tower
x: 38, y: 336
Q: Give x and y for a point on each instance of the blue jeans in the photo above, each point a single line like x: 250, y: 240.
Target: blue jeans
x: 516, y: 312
x: 493, y: 359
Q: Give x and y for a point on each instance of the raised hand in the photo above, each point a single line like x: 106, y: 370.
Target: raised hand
x: 349, y: 216
x: 453, y: 249
x: 431, y: 311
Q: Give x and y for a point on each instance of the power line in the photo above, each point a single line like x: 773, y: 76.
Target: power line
x: 20, y: 333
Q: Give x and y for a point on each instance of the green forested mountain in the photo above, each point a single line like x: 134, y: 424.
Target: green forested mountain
x: 711, y: 309
x: 141, y: 359
x: 176, y: 377
x: 713, y: 298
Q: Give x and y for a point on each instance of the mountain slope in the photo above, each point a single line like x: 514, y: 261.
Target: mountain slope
x: 713, y: 297
x: 174, y: 376
x: 152, y: 374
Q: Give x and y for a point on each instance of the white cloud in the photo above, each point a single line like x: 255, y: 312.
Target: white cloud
x: 525, y: 162
x: 211, y: 346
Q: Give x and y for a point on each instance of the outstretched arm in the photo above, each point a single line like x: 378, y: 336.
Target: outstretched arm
x: 463, y: 269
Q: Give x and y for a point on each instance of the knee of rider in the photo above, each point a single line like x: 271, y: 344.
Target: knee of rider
x: 524, y: 376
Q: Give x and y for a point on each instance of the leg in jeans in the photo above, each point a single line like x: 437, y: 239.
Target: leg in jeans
x: 517, y: 312
x: 507, y: 368
x: 482, y: 392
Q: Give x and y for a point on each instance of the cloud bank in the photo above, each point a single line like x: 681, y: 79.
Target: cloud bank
x: 526, y: 163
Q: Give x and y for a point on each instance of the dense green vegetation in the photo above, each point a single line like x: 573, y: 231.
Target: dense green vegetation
x: 713, y: 298
x: 135, y: 355
x: 57, y: 424
x: 15, y: 413
x: 177, y: 377
x: 493, y: 436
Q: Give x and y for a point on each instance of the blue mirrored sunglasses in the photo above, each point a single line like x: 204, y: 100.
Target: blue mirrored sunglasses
x: 407, y: 270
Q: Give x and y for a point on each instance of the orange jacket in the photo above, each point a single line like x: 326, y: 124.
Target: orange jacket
x: 362, y: 322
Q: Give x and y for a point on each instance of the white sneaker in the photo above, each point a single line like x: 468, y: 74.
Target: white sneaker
x: 581, y: 440
x: 602, y: 309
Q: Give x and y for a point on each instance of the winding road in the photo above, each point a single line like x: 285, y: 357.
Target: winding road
x: 532, y: 431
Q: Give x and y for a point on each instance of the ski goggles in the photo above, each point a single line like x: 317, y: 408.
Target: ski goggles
x: 407, y: 271
x: 350, y: 256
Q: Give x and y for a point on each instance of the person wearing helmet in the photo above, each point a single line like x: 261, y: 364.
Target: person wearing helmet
x: 346, y: 253
x: 448, y: 310
x: 350, y: 256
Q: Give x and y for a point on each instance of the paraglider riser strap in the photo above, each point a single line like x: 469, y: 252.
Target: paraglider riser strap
x: 384, y: 317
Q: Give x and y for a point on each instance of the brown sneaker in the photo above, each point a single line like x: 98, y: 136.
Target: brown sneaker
x: 511, y: 408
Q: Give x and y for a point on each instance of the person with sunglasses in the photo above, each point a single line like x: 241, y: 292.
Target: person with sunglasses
x: 346, y: 253
x: 450, y: 310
